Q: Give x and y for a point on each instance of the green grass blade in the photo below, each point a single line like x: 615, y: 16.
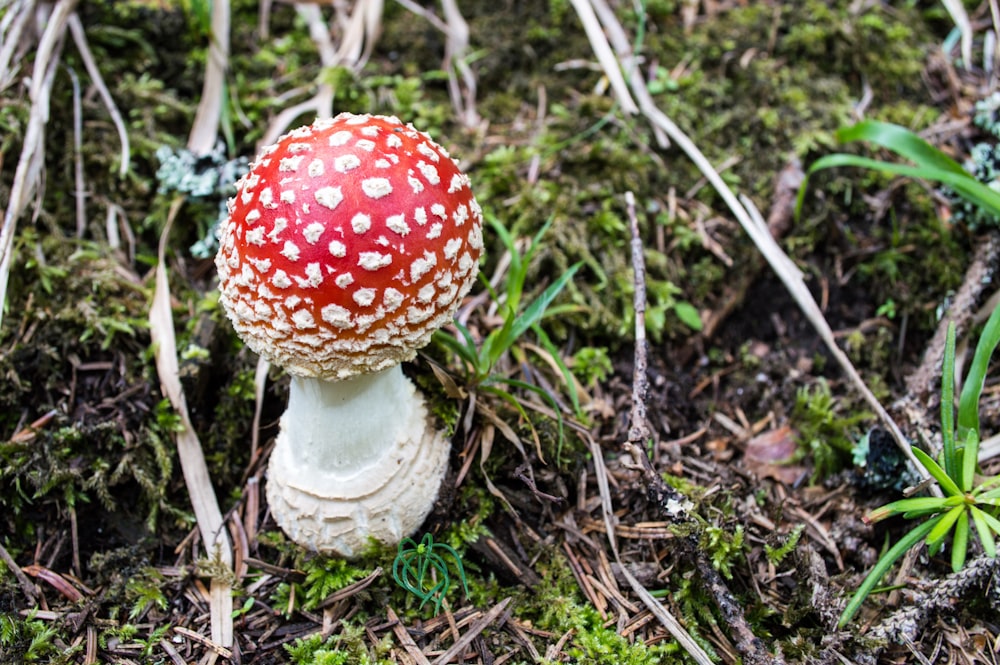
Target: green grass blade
x: 534, y: 312
x: 901, y: 141
x: 492, y: 348
x: 517, y: 270
x: 948, y: 403
x: 964, y: 184
x: 883, y: 565
x: 983, y: 529
x: 960, y: 542
x: 536, y: 240
x: 944, y: 480
x: 567, y: 375
x: 465, y: 350
x: 968, y: 402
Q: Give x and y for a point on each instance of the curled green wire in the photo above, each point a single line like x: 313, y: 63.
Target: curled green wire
x: 421, y: 570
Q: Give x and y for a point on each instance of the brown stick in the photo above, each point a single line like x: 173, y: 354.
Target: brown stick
x: 674, y: 504
x: 27, y: 587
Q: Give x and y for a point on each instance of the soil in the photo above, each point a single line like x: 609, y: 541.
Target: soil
x: 597, y: 487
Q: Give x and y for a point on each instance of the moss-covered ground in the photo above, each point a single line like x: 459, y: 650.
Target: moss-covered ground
x: 750, y: 416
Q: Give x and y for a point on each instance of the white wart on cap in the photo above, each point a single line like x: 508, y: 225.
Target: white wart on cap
x: 347, y: 244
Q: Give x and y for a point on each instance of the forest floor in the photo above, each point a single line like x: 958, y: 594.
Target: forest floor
x: 699, y: 497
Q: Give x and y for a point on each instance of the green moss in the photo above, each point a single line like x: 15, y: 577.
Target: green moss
x: 557, y: 607
x: 31, y: 640
x: 824, y: 429
x: 324, y: 575
x: 348, y: 647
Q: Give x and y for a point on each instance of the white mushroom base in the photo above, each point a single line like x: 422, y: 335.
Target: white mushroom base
x: 356, y: 461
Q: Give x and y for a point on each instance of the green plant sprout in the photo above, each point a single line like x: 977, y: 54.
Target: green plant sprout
x: 967, y: 497
x: 423, y: 571
x: 517, y: 320
x: 928, y: 163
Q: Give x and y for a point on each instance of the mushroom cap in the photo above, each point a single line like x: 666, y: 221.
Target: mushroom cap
x: 348, y: 243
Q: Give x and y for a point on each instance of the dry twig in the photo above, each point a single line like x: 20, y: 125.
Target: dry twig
x: 673, y: 503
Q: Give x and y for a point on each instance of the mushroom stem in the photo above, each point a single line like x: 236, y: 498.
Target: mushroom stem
x: 343, y: 427
x: 356, y: 460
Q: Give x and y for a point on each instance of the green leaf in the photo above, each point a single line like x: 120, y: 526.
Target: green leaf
x: 945, y: 481
x: 960, y: 542
x: 983, y: 529
x: 991, y: 520
x: 943, y: 526
x: 883, y: 565
x: 688, y: 314
x: 968, y: 402
x: 970, y: 460
x: 948, y: 402
x: 536, y: 310
x: 916, y: 505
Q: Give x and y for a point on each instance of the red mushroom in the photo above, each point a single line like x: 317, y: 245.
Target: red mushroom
x: 347, y: 244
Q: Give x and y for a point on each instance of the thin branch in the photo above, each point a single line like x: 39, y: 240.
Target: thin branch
x: 673, y: 503
x: 28, y: 588
x: 663, y: 615
x: 971, y: 582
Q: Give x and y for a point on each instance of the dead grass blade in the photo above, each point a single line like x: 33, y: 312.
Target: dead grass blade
x: 259, y: 383
x: 80, y: 41
x: 961, y: 18
x: 27, y: 175
x: 79, y: 182
x: 473, y: 632
x: 362, y: 30
x: 605, y: 56
x: 461, y: 79
x: 359, y: 32
x: 199, y: 485
x: 205, y: 128
x: 794, y: 282
x: 16, y: 16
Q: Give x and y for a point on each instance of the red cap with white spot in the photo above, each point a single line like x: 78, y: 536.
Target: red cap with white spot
x: 347, y: 244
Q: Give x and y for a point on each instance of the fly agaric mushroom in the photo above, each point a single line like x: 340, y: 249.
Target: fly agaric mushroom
x: 347, y: 244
